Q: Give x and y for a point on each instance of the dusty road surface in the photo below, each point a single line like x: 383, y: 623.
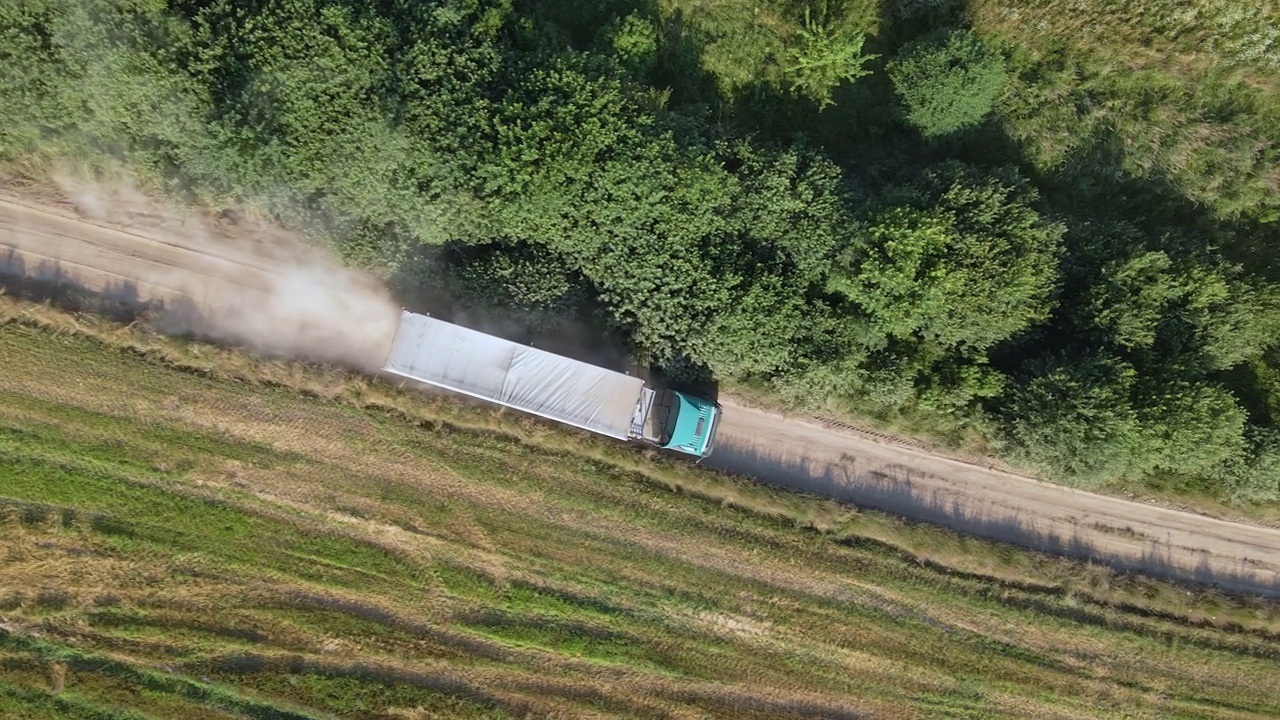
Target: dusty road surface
x: 242, y: 283
x: 335, y: 314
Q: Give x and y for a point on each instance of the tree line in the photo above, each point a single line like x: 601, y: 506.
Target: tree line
x: 851, y: 206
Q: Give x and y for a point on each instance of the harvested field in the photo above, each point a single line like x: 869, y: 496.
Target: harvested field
x: 209, y: 541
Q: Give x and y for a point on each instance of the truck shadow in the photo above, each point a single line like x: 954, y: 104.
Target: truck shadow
x: 898, y: 490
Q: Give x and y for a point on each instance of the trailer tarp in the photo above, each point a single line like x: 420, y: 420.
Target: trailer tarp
x: 525, y: 378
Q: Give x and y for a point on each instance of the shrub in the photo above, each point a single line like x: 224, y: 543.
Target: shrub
x: 1257, y: 479
x: 947, y: 82
x: 633, y: 40
x: 961, y: 259
x: 825, y: 53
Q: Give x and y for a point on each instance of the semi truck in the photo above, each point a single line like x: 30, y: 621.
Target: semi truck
x: 531, y: 380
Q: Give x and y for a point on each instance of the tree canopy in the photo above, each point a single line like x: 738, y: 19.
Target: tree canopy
x: 959, y: 258
x: 1078, y: 265
x: 947, y: 81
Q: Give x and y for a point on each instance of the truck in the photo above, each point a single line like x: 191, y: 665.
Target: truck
x: 534, y: 381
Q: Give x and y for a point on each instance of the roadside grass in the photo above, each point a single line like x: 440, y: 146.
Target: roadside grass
x: 191, y: 531
x: 655, y: 473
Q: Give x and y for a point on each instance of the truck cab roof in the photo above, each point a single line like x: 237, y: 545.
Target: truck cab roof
x: 695, y: 425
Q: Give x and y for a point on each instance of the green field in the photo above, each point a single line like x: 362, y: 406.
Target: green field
x: 191, y: 532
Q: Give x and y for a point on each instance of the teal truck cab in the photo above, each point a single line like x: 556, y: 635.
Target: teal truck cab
x: 681, y: 422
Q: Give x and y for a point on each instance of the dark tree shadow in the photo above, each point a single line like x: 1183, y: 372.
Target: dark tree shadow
x: 48, y: 281
x: 122, y: 301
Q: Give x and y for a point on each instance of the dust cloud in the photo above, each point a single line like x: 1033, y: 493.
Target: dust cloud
x: 305, y: 306
x: 245, y: 282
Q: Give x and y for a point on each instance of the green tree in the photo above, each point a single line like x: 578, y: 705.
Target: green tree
x: 34, y: 100
x: 1168, y: 308
x: 825, y: 52
x: 303, y: 85
x: 952, y: 383
x: 1239, y: 322
x: 787, y: 216
x: 960, y: 258
x: 99, y: 80
x: 1166, y: 298
x: 947, y: 81
x: 836, y: 347
x: 574, y: 159
x: 790, y: 211
x: 534, y: 282
x: 1073, y: 420
x: 1094, y: 419
x: 1255, y: 479
x: 633, y: 42
x: 759, y: 332
x: 1132, y: 298
x: 1190, y: 426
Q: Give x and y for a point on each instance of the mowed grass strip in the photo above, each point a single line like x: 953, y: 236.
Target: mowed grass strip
x: 357, y: 552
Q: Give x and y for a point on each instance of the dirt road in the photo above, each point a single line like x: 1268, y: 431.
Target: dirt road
x: 156, y: 259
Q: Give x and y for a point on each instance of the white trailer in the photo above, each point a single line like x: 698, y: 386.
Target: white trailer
x: 535, y: 381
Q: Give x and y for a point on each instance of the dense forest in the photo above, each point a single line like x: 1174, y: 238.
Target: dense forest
x: 1050, y: 226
